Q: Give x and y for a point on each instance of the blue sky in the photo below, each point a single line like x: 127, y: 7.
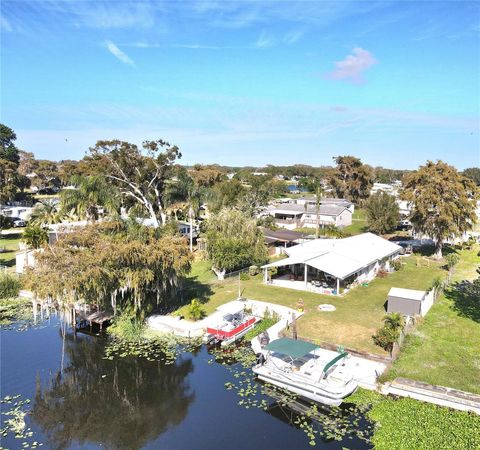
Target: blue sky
x: 246, y: 83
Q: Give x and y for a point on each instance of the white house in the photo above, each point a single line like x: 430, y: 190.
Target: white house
x: 291, y: 216
x: 327, y: 265
x: 405, y: 208
x: 325, y: 201
x: 184, y: 229
x: 21, y: 212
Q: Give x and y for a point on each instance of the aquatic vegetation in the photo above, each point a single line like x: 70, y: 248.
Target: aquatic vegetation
x: 15, y: 310
x: 326, y: 423
x: 165, y: 347
x: 408, y: 423
x: 15, y: 424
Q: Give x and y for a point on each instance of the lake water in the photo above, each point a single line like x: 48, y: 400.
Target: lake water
x: 83, y: 401
x: 295, y: 188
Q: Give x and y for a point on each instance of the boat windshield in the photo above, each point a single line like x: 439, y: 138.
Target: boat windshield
x: 297, y: 362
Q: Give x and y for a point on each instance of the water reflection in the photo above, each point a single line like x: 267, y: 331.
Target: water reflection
x: 120, y: 403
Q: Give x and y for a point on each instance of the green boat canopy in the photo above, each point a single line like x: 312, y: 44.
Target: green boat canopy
x: 290, y: 347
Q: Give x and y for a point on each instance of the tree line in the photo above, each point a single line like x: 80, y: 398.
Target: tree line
x: 116, y: 258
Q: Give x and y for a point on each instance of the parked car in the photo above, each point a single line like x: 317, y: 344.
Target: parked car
x: 18, y: 223
x: 404, y: 225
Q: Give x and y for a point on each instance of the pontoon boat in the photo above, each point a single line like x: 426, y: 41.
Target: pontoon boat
x: 299, y: 367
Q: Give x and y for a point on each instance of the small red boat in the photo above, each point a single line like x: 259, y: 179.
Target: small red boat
x: 232, y: 327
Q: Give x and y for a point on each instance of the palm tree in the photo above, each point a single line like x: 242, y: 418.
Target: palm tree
x: 35, y: 236
x: 185, y: 190
x: 315, y: 185
x: 46, y: 212
x: 91, y: 193
x: 393, y: 320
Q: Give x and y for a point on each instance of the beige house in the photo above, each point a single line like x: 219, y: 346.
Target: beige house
x: 291, y: 216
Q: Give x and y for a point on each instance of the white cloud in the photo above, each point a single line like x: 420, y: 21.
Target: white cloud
x: 264, y: 40
x: 5, y: 24
x: 352, y: 67
x: 119, y: 54
x: 293, y: 36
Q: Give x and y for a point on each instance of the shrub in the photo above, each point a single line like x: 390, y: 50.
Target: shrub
x: 396, y: 264
x: 244, y: 276
x: 451, y: 260
x: 253, y: 270
x: 9, y: 285
x: 386, y: 336
x: 272, y: 271
x: 382, y: 273
x: 195, y: 310
x: 5, y: 222
x: 437, y: 284
x: 127, y: 327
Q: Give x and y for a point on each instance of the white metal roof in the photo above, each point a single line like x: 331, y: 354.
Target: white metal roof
x: 410, y: 294
x: 340, y: 257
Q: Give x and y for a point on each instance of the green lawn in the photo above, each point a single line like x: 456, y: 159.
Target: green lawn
x: 10, y: 243
x: 359, y: 222
x: 445, y: 348
x: 358, y: 315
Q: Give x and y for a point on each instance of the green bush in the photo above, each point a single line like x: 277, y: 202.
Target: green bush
x: 272, y: 271
x: 437, y: 284
x: 9, y: 285
x: 386, y: 336
x: 195, y: 310
x: 451, y: 260
x: 127, y: 327
x: 397, y: 264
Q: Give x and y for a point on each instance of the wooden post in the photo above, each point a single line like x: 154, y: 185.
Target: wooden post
x: 338, y: 286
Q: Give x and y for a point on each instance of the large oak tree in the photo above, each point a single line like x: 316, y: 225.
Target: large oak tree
x: 141, y: 174
x: 351, y: 179
x: 443, y: 202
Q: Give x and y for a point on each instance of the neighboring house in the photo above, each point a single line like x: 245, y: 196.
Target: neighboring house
x: 278, y: 240
x: 22, y: 212
x: 383, y: 187
x: 404, y: 207
x: 291, y: 216
x: 328, y: 265
x: 323, y: 201
x: 184, y: 228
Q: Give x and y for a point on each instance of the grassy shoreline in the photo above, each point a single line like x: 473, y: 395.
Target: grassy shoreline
x: 444, y: 348
x: 358, y: 313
